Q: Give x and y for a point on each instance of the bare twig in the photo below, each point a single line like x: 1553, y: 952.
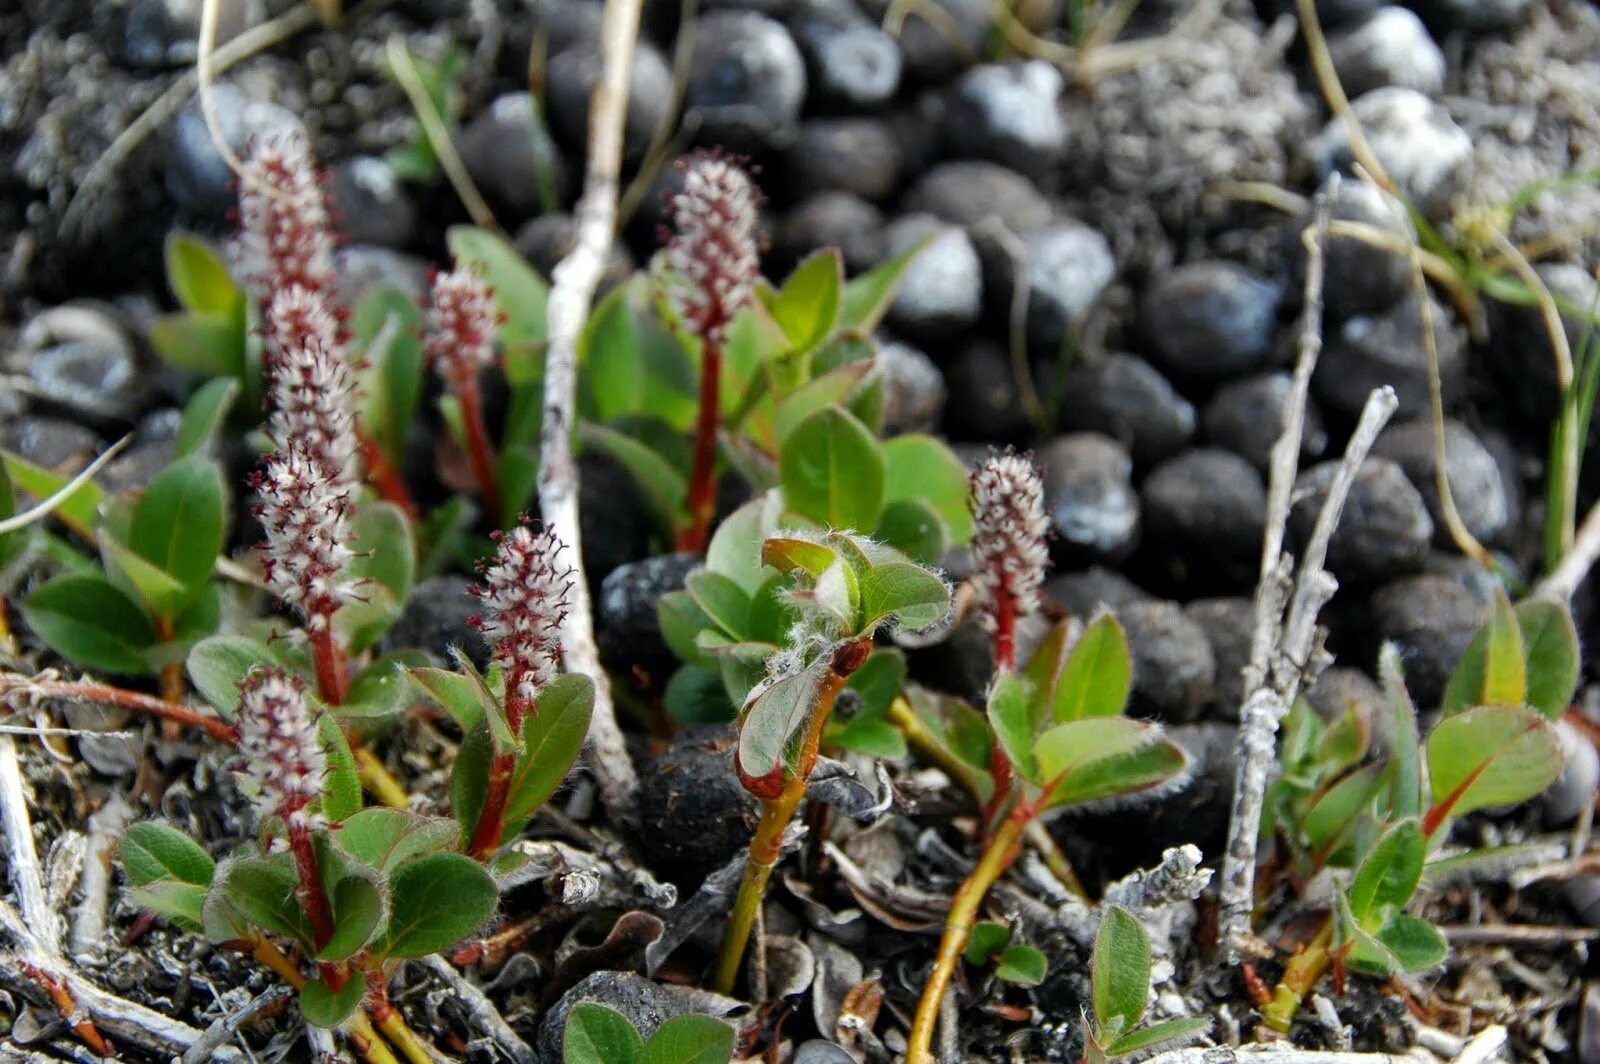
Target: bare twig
x: 1519, y: 934
x: 480, y: 1010
x: 575, y: 280
x: 225, y: 1027
x: 43, y: 509
x: 89, y: 921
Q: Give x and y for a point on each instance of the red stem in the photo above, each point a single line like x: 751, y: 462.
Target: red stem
x: 106, y: 695
x: 391, y: 486
x: 1005, y: 660
x: 703, y: 476
x: 313, y: 897
x: 61, y: 998
x: 491, y: 824
x: 332, y: 680
x: 479, y: 450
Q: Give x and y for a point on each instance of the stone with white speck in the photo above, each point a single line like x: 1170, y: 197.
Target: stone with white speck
x: 1415, y: 139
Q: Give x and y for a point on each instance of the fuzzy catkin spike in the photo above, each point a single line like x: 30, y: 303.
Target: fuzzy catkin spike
x: 713, y: 249
x: 305, y: 512
x: 462, y: 325
x: 313, y: 387
x: 278, y: 742
x: 286, y: 237
x: 524, y: 595
x: 1008, y: 539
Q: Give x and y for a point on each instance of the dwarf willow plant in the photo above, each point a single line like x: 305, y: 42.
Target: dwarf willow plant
x: 1493, y: 746
x: 1056, y: 735
x: 1119, y: 983
x: 597, y: 1034
x: 842, y: 587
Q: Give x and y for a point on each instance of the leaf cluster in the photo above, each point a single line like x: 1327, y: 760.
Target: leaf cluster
x: 598, y: 1034
x: 1119, y: 973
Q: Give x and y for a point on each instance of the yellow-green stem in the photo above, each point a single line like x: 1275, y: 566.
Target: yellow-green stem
x: 377, y: 779
x: 1305, y: 968
x: 998, y: 857
x: 364, y: 1036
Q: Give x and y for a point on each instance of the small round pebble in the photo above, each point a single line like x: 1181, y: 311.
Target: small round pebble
x: 936, y: 47
x: 1341, y: 687
x: 1206, y: 503
x: 371, y: 204
x: 1066, y: 265
x: 985, y: 403
x: 941, y: 290
x: 696, y: 813
x: 549, y: 238
x: 1367, y: 352
x: 913, y: 389
x: 1574, y: 790
x: 1009, y: 113
x: 831, y: 219
x: 1089, y: 495
x: 853, y: 63
x: 1390, y: 47
x: 1085, y: 593
x: 644, y: 1004
x: 437, y: 619
x: 845, y: 154
x: 1358, y: 278
x: 196, y: 173
x: 1210, y: 319
x: 1474, y: 475
x: 497, y: 148
x: 1414, y: 138
x: 627, y: 629
x: 747, y: 82
x: 1431, y: 619
x: 82, y: 362
x: 1125, y: 397
x: 1228, y: 624
x: 570, y: 80
x: 1174, y: 669
x: 1384, y: 531
x: 971, y: 191
x: 1246, y: 417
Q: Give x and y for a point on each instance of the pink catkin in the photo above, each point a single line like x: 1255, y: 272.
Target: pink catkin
x: 463, y: 324
x: 1008, y: 539
x: 713, y: 249
x: 278, y: 742
x: 524, y: 596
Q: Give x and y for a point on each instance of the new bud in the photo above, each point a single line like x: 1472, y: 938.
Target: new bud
x: 713, y: 248
x: 524, y: 595
x: 278, y: 742
x: 1008, y: 539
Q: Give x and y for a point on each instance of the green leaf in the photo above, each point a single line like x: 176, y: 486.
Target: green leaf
x: 162, y: 595
x: 722, y: 600
x: 385, y: 553
x: 832, y: 388
x: 519, y: 292
x: 788, y: 554
x: 180, y: 521
x: 386, y: 328
x: 1359, y: 948
x: 207, y: 409
x: 1022, y: 965
x: 11, y: 543
x: 341, y: 793
x: 218, y: 665
x: 877, y: 683
x: 1119, y: 969
x: 664, y: 489
x: 210, y: 345
x: 357, y: 904
x: 908, y: 594
x: 469, y: 778
x: 1334, y: 815
x: 690, y: 1040
x: 1147, y: 768
x: 867, y: 298
x: 1415, y: 943
x: 681, y: 619
x: 384, y: 838
x: 608, y: 352
x: 79, y: 511
x: 960, y: 733
x: 1098, y: 674
x: 1492, y: 670
x: 776, y: 716
x: 434, y: 902
x: 735, y: 548
x: 379, y: 691
x: 1012, y: 720
x: 1389, y: 874
x: 199, y: 277
x: 1490, y: 756
x: 695, y: 695
x: 153, y: 852
x: 832, y: 472
x: 551, y: 741
x: 807, y: 307
x: 88, y: 621
x: 1550, y: 643
x: 183, y: 904
x: 458, y: 695
x: 1067, y: 748
x: 263, y: 891
x: 924, y: 469
x: 912, y: 526
x: 986, y: 941
x: 322, y: 1006
x: 1168, y: 1032
x: 596, y: 1034
x: 1406, y: 757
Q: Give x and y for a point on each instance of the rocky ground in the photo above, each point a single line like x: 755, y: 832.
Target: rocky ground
x: 1123, y: 229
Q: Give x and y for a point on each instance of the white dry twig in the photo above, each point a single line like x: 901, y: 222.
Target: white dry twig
x: 106, y: 825
x: 480, y: 1010
x: 574, y: 283
x: 44, y: 508
x: 1563, y: 581
x: 1285, y: 649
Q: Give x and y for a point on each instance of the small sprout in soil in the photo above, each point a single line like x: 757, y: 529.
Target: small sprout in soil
x: 1119, y: 975
x: 597, y: 1034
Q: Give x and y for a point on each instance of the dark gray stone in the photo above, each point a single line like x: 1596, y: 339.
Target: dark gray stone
x: 1574, y: 790
x: 359, y: 268
x: 614, y: 526
x: 1206, y: 504
x: 1088, y: 493
x: 1066, y: 266
x: 1384, y: 531
x: 970, y: 191
x: 497, y: 148
x: 1390, y: 47
x: 1174, y: 669
x: 1474, y: 475
x: 628, y: 631
x: 1009, y: 114
x: 846, y: 154
x: 370, y: 204
x: 941, y: 290
x: 696, y: 813
x: 571, y: 77
x: 436, y: 619
x: 1367, y: 352
x: 1475, y: 16
x: 1414, y: 138
x: 82, y: 362
x: 1128, y: 399
x: 852, y: 62
x: 985, y: 403
x: 549, y: 238
x: 1246, y: 417
x: 1210, y: 319
x: 747, y: 82
x: 63, y: 446
x: 645, y: 1004
x: 1358, y: 278
x: 196, y: 174
x: 1227, y: 623
x: 1431, y: 619
x: 1520, y: 354
x: 934, y: 49
x: 1084, y: 594
x: 913, y: 389
x: 163, y: 33
x: 832, y: 219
